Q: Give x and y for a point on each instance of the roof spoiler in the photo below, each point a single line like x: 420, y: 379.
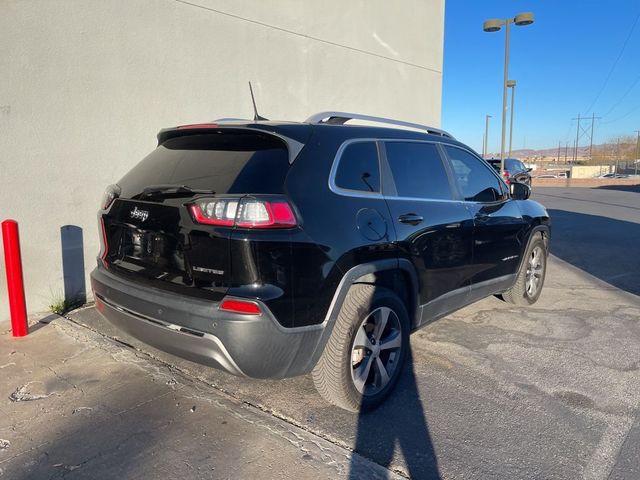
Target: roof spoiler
x: 294, y: 147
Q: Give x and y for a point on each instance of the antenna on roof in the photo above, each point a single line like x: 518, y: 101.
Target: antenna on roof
x: 256, y: 116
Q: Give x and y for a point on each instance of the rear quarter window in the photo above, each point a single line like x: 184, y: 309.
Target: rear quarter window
x: 358, y: 168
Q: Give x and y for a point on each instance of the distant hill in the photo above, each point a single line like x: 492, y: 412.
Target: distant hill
x: 626, y: 150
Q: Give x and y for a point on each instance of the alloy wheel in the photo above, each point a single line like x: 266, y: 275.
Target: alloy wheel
x: 375, y: 354
x: 535, y: 272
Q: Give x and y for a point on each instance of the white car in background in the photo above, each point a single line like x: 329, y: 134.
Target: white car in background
x: 613, y: 175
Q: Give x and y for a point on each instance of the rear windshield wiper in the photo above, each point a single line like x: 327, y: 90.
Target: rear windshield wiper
x: 170, y: 190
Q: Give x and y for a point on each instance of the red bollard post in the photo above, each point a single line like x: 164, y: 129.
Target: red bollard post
x: 15, y: 283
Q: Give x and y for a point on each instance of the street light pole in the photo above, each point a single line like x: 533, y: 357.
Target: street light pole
x: 637, y: 153
x: 485, y: 145
x: 493, y: 25
x: 512, y: 85
x: 504, y: 92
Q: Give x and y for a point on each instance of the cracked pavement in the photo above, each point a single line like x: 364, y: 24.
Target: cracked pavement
x: 78, y: 405
x: 492, y: 391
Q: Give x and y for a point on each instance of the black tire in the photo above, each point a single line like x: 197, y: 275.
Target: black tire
x: 338, y: 375
x: 523, y: 292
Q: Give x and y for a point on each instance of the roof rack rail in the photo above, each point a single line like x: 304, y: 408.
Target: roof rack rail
x: 340, y: 118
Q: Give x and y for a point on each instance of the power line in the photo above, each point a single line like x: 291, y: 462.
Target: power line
x: 623, y: 116
x: 623, y: 96
x: 624, y: 45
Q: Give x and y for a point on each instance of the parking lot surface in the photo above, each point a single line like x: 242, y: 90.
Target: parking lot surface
x: 78, y: 405
x: 492, y: 391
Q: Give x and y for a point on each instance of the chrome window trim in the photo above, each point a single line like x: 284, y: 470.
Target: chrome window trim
x: 380, y: 195
x: 430, y: 200
x: 334, y: 169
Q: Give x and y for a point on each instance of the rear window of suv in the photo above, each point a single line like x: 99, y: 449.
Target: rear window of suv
x: 514, y: 165
x: 226, y: 162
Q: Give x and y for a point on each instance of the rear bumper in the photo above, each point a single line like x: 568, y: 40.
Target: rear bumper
x: 248, y: 345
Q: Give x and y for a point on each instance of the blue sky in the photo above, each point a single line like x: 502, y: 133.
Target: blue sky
x: 560, y: 64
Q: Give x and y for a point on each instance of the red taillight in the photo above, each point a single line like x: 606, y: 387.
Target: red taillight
x: 240, y: 306
x: 254, y: 213
x: 199, y: 215
x: 506, y: 176
x: 249, y: 212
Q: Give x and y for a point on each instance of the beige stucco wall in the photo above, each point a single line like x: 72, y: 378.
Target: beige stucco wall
x: 589, y: 171
x: 86, y: 84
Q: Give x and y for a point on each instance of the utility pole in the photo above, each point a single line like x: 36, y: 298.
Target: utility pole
x: 593, y: 119
x: 566, y: 151
x: 512, y: 85
x: 485, y: 146
x: 584, y: 131
x: 575, y: 156
x: 558, y: 157
x: 637, y: 159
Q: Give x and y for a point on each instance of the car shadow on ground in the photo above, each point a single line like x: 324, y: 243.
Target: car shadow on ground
x: 622, y: 188
x: 603, y: 247
x: 400, y: 423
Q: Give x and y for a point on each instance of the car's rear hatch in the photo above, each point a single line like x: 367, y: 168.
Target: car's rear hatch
x: 149, y: 232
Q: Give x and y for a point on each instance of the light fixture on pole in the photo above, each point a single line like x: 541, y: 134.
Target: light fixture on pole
x: 512, y: 85
x: 493, y: 25
x: 485, y: 140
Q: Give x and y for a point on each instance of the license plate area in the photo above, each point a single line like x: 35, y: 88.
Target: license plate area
x: 145, y: 245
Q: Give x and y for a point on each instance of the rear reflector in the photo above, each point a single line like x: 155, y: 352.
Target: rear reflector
x: 105, y: 244
x: 240, y: 306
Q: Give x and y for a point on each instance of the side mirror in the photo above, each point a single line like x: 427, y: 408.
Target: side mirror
x: 519, y: 191
x: 529, y: 169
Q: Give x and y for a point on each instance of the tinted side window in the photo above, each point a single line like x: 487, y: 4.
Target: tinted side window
x: 476, y: 181
x: 418, y: 170
x: 358, y: 168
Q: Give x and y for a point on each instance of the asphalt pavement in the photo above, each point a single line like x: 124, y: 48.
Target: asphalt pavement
x: 492, y: 391
x: 597, y: 230
x: 77, y: 405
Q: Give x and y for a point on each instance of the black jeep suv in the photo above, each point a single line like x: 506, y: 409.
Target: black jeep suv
x: 274, y: 249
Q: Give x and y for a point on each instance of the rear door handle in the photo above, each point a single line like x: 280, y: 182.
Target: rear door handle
x: 410, y: 218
